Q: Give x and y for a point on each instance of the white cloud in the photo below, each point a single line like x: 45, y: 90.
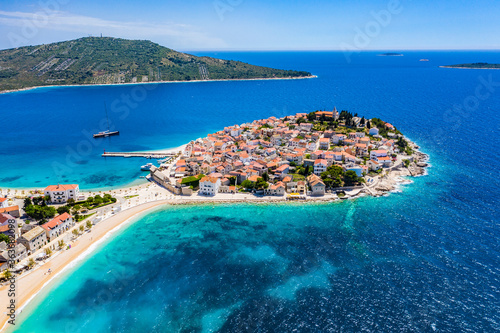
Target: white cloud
x: 176, y: 35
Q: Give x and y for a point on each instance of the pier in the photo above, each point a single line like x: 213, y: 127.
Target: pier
x: 144, y: 154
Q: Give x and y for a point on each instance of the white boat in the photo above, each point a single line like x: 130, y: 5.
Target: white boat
x: 146, y: 167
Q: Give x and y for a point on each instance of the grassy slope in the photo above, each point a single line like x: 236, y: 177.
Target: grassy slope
x: 94, y: 60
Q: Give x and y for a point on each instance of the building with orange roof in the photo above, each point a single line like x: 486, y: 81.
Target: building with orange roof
x: 62, y: 193
x: 58, y: 225
x: 277, y: 189
x: 11, y: 210
x: 324, y: 143
x: 320, y: 166
x: 209, y: 185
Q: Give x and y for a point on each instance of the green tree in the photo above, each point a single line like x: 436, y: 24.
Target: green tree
x: 98, y: 200
x: 4, y: 238
x: 27, y: 202
x: 351, y: 178
x: 248, y: 184
x: 333, y: 175
x: 261, y: 184
x: 311, y: 116
x: 76, y: 209
x: 107, y: 198
x: 40, y: 212
x: 89, y: 225
x: 70, y: 201
x: 265, y: 176
x: 90, y: 200
x: 37, y: 200
x: 48, y: 212
x: 63, y: 209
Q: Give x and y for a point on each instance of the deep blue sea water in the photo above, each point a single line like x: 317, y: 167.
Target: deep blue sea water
x: 423, y: 260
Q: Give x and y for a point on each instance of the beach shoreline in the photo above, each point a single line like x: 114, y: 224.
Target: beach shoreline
x: 37, y: 279
x: 153, y: 82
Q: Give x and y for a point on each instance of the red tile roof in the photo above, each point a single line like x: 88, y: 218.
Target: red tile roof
x: 60, y: 187
x: 9, y: 209
x: 58, y: 220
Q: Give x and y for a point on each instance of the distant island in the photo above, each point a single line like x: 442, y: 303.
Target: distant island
x: 391, y: 54
x: 107, y: 60
x: 475, y: 65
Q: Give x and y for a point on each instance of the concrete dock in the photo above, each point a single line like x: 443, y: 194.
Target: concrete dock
x: 144, y: 154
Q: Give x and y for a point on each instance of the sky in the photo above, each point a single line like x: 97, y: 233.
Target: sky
x: 196, y: 25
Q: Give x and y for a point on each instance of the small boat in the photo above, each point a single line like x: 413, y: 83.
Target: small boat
x: 146, y: 167
x: 424, y: 59
x: 104, y: 134
x: 107, y: 132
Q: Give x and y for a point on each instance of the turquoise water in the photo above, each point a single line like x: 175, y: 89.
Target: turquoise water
x: 422, y: 260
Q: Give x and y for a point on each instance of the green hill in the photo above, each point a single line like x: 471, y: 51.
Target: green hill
x: 106, y: 60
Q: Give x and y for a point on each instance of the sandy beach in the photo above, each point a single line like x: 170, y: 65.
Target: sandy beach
x: 29, y: 284
x: 155, y: 82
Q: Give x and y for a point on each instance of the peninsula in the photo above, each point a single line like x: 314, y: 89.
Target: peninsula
x: 476, y: 65
x: 107, y: 60
x: 300, y: 156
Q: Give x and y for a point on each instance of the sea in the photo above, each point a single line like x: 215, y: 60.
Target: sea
x: 425, y: 258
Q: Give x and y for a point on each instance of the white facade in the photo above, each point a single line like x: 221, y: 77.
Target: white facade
x: 62, y: 193
x: 58, y: 225
x: 320, y: 167
x: 209, y: 185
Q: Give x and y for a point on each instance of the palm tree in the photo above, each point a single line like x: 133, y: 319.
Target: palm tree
x: 75, y: 233
x: 82, y: 228
x: 31, y: 263
x: 48, y: 252
x: 89, y: 225
x: 61, y: 244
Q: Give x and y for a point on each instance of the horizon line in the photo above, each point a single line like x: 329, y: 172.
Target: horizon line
x: 327, y: 50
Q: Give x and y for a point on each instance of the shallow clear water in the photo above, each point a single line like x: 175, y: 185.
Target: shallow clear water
x: 422, y: 260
